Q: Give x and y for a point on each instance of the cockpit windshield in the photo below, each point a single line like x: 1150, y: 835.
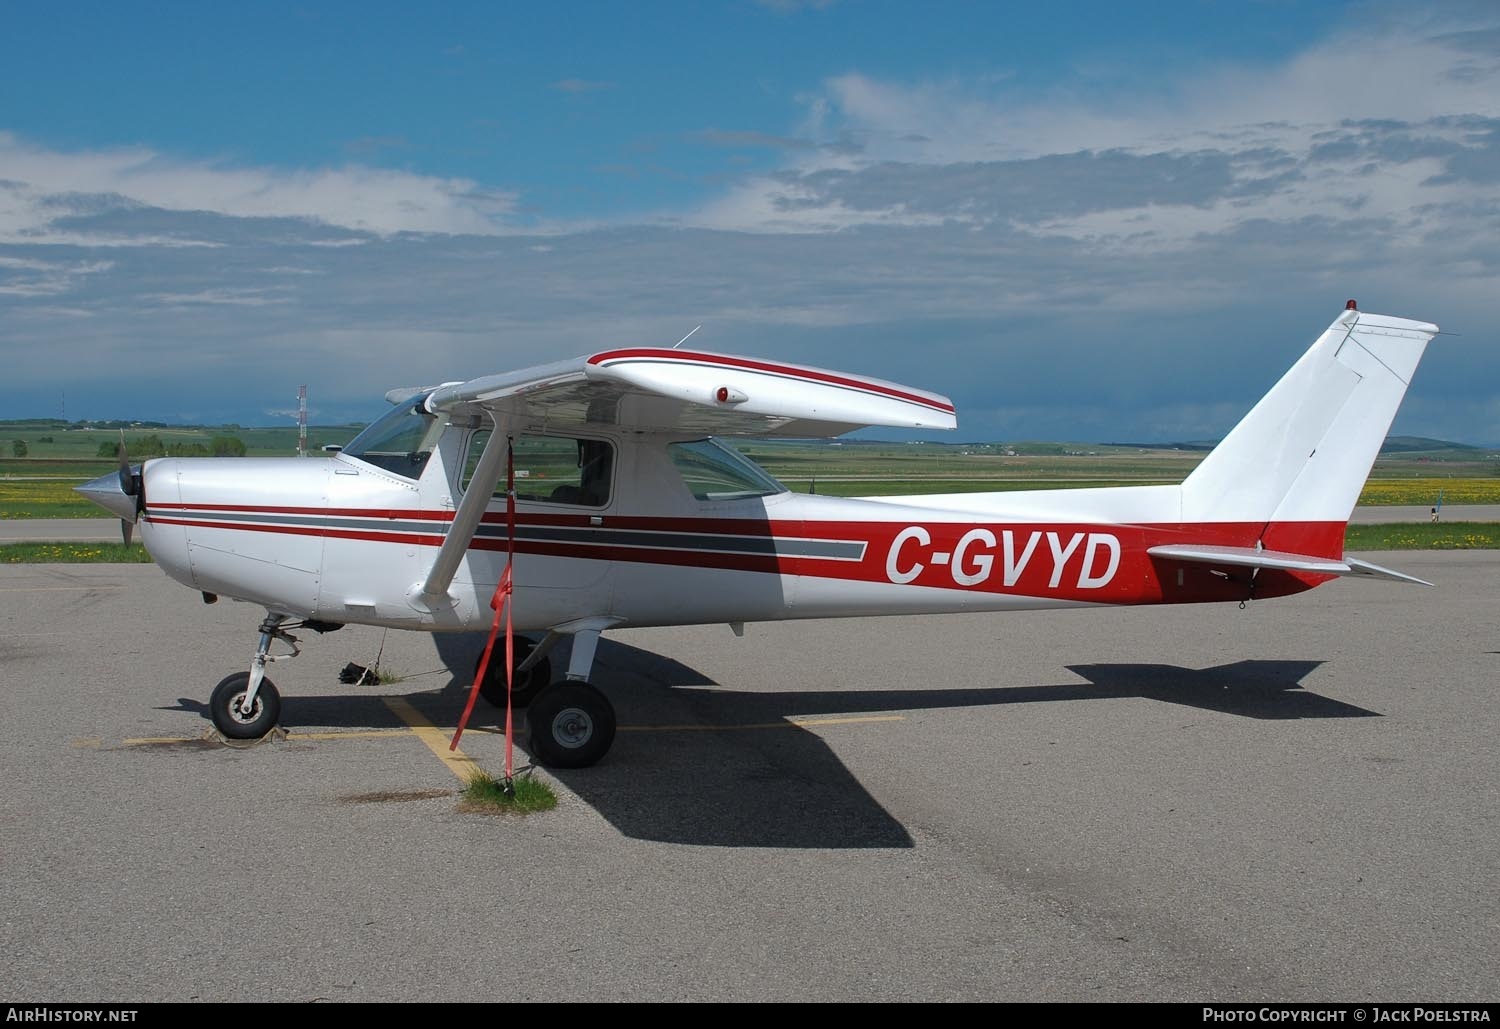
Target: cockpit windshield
x: 401, y: 442
x: 713, y: 471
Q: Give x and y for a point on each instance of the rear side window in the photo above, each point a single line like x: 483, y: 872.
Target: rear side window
x: 554, y: 469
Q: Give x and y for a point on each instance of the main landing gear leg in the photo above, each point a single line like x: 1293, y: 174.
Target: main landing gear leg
x: 533, y: 671
x: 571, y: 723
x: 246, y: 705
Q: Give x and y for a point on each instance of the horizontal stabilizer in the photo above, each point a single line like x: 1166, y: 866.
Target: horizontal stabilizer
x: 1373, y: 571
x: 1249, y: 557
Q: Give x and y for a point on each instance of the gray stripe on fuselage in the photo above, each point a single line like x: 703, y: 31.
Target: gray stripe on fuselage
x: 835, y: 550
x: 433, y: 528
x: 843, y: 550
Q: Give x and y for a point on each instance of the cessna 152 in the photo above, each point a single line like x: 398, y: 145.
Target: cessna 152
x: 628, y: 512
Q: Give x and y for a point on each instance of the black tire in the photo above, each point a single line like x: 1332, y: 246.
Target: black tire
x: 526, y: 686
x: 571, y: 725
x: 224, y: 706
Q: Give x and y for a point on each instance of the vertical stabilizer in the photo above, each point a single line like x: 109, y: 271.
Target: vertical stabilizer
x: 1303, y: 453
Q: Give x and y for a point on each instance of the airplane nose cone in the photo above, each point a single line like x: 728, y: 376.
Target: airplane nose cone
x: 106, y: 492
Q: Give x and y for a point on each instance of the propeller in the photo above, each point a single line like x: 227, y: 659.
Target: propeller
x: 131, y: 486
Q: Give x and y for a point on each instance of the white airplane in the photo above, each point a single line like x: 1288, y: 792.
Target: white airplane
x: 628, y: 512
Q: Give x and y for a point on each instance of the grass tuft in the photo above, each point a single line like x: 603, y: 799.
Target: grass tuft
x: 484, y: 794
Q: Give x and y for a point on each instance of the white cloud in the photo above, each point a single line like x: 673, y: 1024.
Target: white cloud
x: 1384, y: 69
x: 934, y: 151
x: 33, y: 277
x: 41, y: 188
x: 220, y: 297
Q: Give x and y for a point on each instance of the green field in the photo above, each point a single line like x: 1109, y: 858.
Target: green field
x: 1423, y: 536
x: 78, y: 444
x: 52, y: 499
x: 40, y: 485
x: 73, y: 554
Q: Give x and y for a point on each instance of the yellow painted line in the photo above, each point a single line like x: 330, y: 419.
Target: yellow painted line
x: 89, y: 742
x: 347, y: 734
x: 459, y: 763
x: 790, y: 723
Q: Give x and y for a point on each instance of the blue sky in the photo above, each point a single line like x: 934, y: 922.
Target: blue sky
x: 1079, y: 221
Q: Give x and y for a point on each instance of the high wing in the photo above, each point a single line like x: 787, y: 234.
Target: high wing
x: 655, y: 389
x: 694, y: 391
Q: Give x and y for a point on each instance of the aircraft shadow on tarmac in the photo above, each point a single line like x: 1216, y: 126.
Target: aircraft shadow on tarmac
x: 714, y: 767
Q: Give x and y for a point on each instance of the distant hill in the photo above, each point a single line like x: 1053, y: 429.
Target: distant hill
x: 1203, y: 445
x: 1392, y: 445
x: 1423, y: 445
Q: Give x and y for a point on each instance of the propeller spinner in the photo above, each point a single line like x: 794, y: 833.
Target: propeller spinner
x: 120, y: 493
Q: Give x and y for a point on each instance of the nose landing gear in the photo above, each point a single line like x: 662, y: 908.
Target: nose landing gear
x: 246, y: 705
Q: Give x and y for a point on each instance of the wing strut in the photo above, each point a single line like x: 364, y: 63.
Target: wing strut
x: 468, y: 516
x: 502, y: 603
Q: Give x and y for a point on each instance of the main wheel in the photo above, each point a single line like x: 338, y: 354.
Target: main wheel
x: 572, y: 725
x: 227, y: 706
x: 527, y: 684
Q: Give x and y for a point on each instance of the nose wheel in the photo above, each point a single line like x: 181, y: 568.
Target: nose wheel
x: 239, y: 716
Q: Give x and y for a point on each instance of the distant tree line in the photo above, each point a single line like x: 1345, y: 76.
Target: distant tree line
x: 152, y: 446
x: 109, y: 423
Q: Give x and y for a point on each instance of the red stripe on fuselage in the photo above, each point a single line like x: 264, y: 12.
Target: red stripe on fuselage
x: 409, y: 514
x: 307, y: 530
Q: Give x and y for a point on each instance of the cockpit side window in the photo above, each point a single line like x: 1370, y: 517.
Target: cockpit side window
x: 553, y: 469
x: 401, y: 442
